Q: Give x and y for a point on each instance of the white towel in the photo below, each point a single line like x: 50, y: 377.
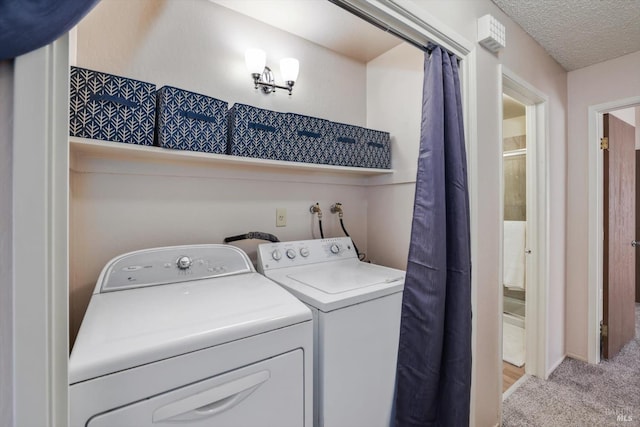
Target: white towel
x: 513, y: 344
x: 514, y: 260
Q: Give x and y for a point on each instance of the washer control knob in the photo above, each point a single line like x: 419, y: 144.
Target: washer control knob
x: 184, y: 262
x: 276, y: 255
x: 304, y: 252
x: 334, y: 249
x: 291, y: 254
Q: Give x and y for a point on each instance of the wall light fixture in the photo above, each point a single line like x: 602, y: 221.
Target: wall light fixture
x: 262, y: 75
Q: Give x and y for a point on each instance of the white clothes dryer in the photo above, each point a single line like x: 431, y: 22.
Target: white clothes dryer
x: 356, y: 309
x: 191, y: 335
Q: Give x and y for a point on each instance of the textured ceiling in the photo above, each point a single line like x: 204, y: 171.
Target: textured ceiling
x: 579, y: 33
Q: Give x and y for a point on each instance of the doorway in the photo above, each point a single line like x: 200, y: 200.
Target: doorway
x: 620, y: 175
x: 514, y: 167
x: 596, y: 115
x: 531, y: 300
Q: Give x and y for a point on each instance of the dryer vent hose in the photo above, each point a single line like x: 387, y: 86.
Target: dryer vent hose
x: 252, y: 235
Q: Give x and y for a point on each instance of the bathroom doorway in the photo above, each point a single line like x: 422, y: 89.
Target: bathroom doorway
x: 514, y: 167
x: 523, y: 295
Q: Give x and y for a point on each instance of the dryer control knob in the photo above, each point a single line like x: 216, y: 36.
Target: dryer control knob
x: 291, y: 254
x: 304, y: 252
x: 184, y: 262
x: 334, y: 248
x: 276, y: 255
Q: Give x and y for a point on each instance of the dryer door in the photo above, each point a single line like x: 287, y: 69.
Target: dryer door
x: 267, y: 393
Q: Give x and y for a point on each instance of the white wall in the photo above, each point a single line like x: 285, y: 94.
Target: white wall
x: 199, y: 46
x: 542, y: 72
x: 600, y: 83
x: 6, y: 243
x: 116, y: 213
x: 390, y: 207
x: 514, y: 126
x: 394, y: 103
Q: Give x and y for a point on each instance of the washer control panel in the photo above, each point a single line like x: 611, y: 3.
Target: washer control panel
x: 304, y: 252
x: 160, y: 266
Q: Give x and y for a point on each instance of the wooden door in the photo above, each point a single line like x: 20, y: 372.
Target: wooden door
x: 619, y: 232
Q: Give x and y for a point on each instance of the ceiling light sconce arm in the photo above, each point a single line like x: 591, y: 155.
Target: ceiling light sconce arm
x: 266, y: 81
x: 263, y: 76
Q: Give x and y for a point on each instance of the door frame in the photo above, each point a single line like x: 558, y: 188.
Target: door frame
x: 596, y: 220
x: 537, y: 273
x: 40, y: 235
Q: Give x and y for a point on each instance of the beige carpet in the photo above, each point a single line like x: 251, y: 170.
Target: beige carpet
x: 582, y: 395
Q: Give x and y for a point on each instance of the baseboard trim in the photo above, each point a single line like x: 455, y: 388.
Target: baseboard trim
x: 577, y: 357
x: 555, y: 366
x: 515, y: 386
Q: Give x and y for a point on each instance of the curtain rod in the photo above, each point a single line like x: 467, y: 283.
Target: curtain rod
x: 379, y: 24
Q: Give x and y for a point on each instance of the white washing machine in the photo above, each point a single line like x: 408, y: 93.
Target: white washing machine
x: 191, y: 335
x: 356, y: 308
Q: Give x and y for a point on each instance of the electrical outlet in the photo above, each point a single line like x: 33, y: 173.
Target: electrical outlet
x: 281, y: 217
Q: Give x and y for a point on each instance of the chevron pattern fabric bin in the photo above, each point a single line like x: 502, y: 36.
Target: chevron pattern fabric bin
x: 111, y: 108
x: 309, y: 140
x: 346, y: 143
x: 377, y: 149
x: 255, y: 132
x: 191, y: 121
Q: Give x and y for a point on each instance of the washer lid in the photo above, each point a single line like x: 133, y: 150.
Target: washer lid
x: 134, y: 327
x: 332, y: 285
x: 344, y: 277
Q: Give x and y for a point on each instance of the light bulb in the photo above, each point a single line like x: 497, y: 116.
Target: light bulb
x: 289, y: 68
x: 255, y: 60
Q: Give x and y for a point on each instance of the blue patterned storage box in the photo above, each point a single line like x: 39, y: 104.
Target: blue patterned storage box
x: 111, y: 108
x: 190, y: 121
x: 254, y: 132
x: 309, y: 140
x: 346, y: 142
x: 377, y: 149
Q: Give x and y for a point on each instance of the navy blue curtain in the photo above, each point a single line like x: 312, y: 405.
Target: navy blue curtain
x: 434, y: 355
x: 26, y: 25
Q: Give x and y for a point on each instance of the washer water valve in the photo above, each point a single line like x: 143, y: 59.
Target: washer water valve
x: 315, y: 209
x: 337, y: 208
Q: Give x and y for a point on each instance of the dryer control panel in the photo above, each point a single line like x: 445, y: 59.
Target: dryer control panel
x: 161, y: 266
x: 304, y: 252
